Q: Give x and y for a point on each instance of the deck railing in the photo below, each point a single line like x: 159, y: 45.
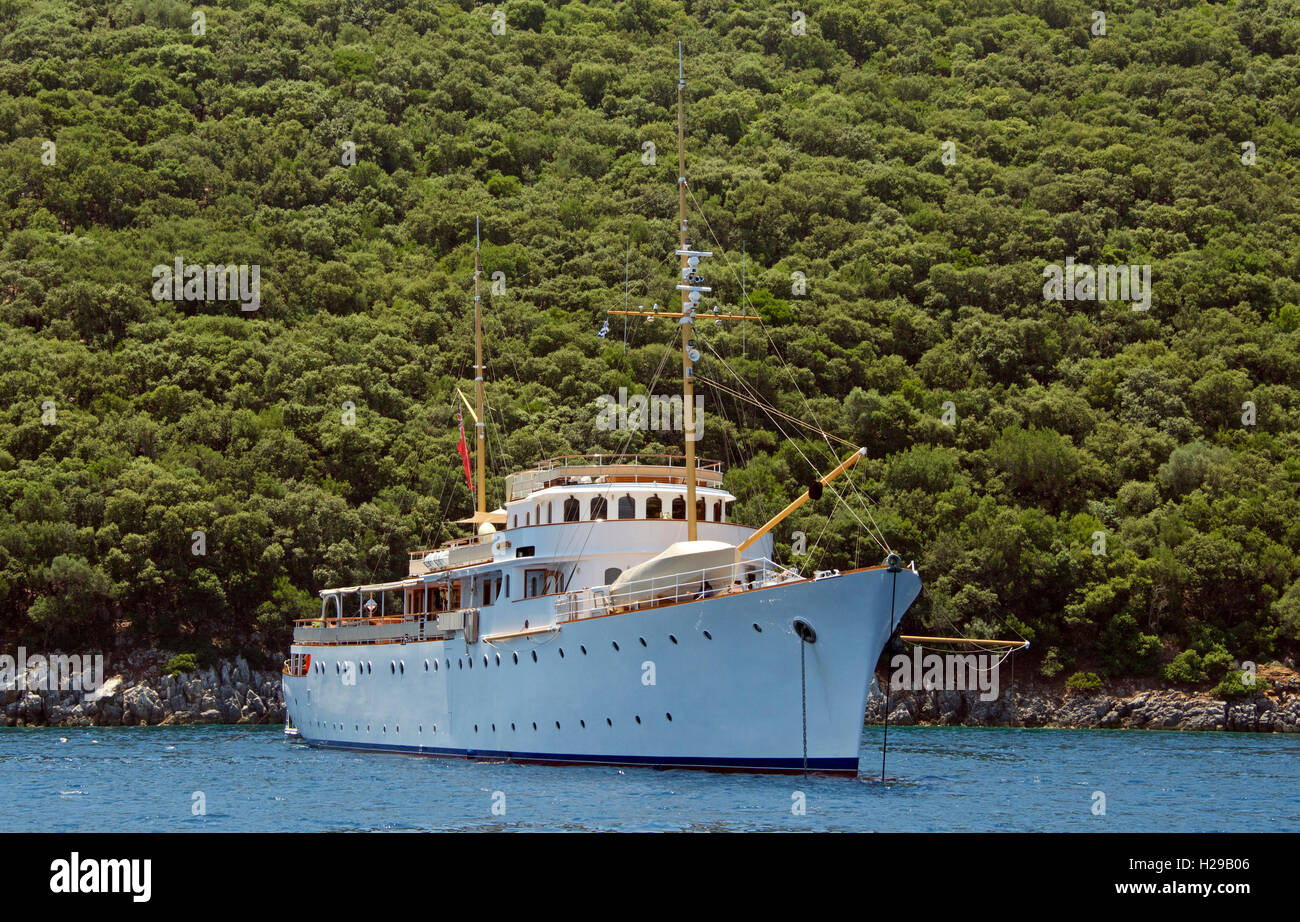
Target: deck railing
x: 409, y: 628
x: 686, y: 586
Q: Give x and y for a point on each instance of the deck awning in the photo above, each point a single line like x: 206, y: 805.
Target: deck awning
x: 495, y: 517
x: 373, y: 587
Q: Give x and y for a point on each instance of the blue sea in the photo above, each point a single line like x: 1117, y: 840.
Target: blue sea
x: 958, y: 779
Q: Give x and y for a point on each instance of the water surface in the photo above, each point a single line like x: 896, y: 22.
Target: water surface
x: 106, y: 779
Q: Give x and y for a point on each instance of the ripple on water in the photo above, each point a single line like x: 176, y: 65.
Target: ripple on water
x: 938, y: 779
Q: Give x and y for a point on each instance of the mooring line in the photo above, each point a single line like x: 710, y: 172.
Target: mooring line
x: 895, y: 564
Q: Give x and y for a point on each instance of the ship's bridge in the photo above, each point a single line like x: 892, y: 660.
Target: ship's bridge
x: 593, y: 489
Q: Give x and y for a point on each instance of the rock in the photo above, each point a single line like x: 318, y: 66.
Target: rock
x: 32, y: 707
x: 901, y: 716
x: 255, y: 704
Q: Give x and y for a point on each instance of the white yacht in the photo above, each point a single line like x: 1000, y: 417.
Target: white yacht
x: 609, y: 612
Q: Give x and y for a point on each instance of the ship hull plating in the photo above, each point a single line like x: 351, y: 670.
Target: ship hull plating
x: 714, y: 684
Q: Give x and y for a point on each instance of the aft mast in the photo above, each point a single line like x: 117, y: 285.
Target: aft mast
x: 480, y: 430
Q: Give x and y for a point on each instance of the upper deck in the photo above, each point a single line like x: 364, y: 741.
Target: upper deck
x: 638, y: 468
x: 571, y: 470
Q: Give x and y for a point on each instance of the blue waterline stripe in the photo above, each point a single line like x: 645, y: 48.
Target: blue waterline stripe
x: 795, y: 763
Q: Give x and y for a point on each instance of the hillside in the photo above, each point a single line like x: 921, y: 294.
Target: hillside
x: 919, y: 164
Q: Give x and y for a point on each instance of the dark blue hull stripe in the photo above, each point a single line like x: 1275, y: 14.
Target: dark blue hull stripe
x: 761, y: 764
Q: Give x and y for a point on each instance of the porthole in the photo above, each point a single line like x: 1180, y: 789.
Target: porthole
x: 420, y: 728
x: 337, y: 669
x: 615, y: 643
x: 561, y: 652
x: 708, y: 636
x: 583, y: 648
x: 525, y: 624
x: 670, y: 717
x: 673, y: 638
x: 370, y: 667
x: 494, y: 728
x: 557, y: 725
x: 448, y: 662
x: 402, y: 666
x: 469, y: 661
x: 608, y: 722
x: 534, y: 656
x: 460, y: 664
x: 516, y: 656
x: 435, y: 665
x: 757, y: 628
x: 498, y: 659
x: 358, y: 727
x: 583, y: 724
x: 475, y: 728
x: 385, y: 728
x: 397, y: 729
x: 426, y: 665
x: 638, y: 718
x: 534, y: 725
x: 484, y: 660
x: 642, y: 639
x: 512, y: 726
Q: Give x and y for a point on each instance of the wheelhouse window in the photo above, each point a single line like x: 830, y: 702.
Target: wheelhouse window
x: 571, y: 511
x: 599, y: 508
x: 626, y: 507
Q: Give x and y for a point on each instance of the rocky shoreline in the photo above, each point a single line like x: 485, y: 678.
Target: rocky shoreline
x: 137, y: 692
x: 1276, y: 711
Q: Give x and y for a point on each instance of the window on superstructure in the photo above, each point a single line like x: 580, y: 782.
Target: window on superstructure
x: 679, y: 508
x: 699, y: 510
x: 626, y: 507
x: 571, y: 510
x: 599, y: 508
x: 611, y: 574
x: 717, y: 512
x: 534, y: 583
x: 654, y: 507
x: 526, y: 522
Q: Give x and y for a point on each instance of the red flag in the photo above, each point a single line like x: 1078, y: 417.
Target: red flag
x: 463, y: 450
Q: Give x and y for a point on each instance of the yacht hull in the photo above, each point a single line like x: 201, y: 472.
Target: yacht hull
x: 712, y: 684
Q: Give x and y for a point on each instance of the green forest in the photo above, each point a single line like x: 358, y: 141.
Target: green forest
x: 883, y: 183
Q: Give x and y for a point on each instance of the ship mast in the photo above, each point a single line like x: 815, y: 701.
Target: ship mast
x: 480, y: 430
x: 687, y: 321
x: 690, y: 284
